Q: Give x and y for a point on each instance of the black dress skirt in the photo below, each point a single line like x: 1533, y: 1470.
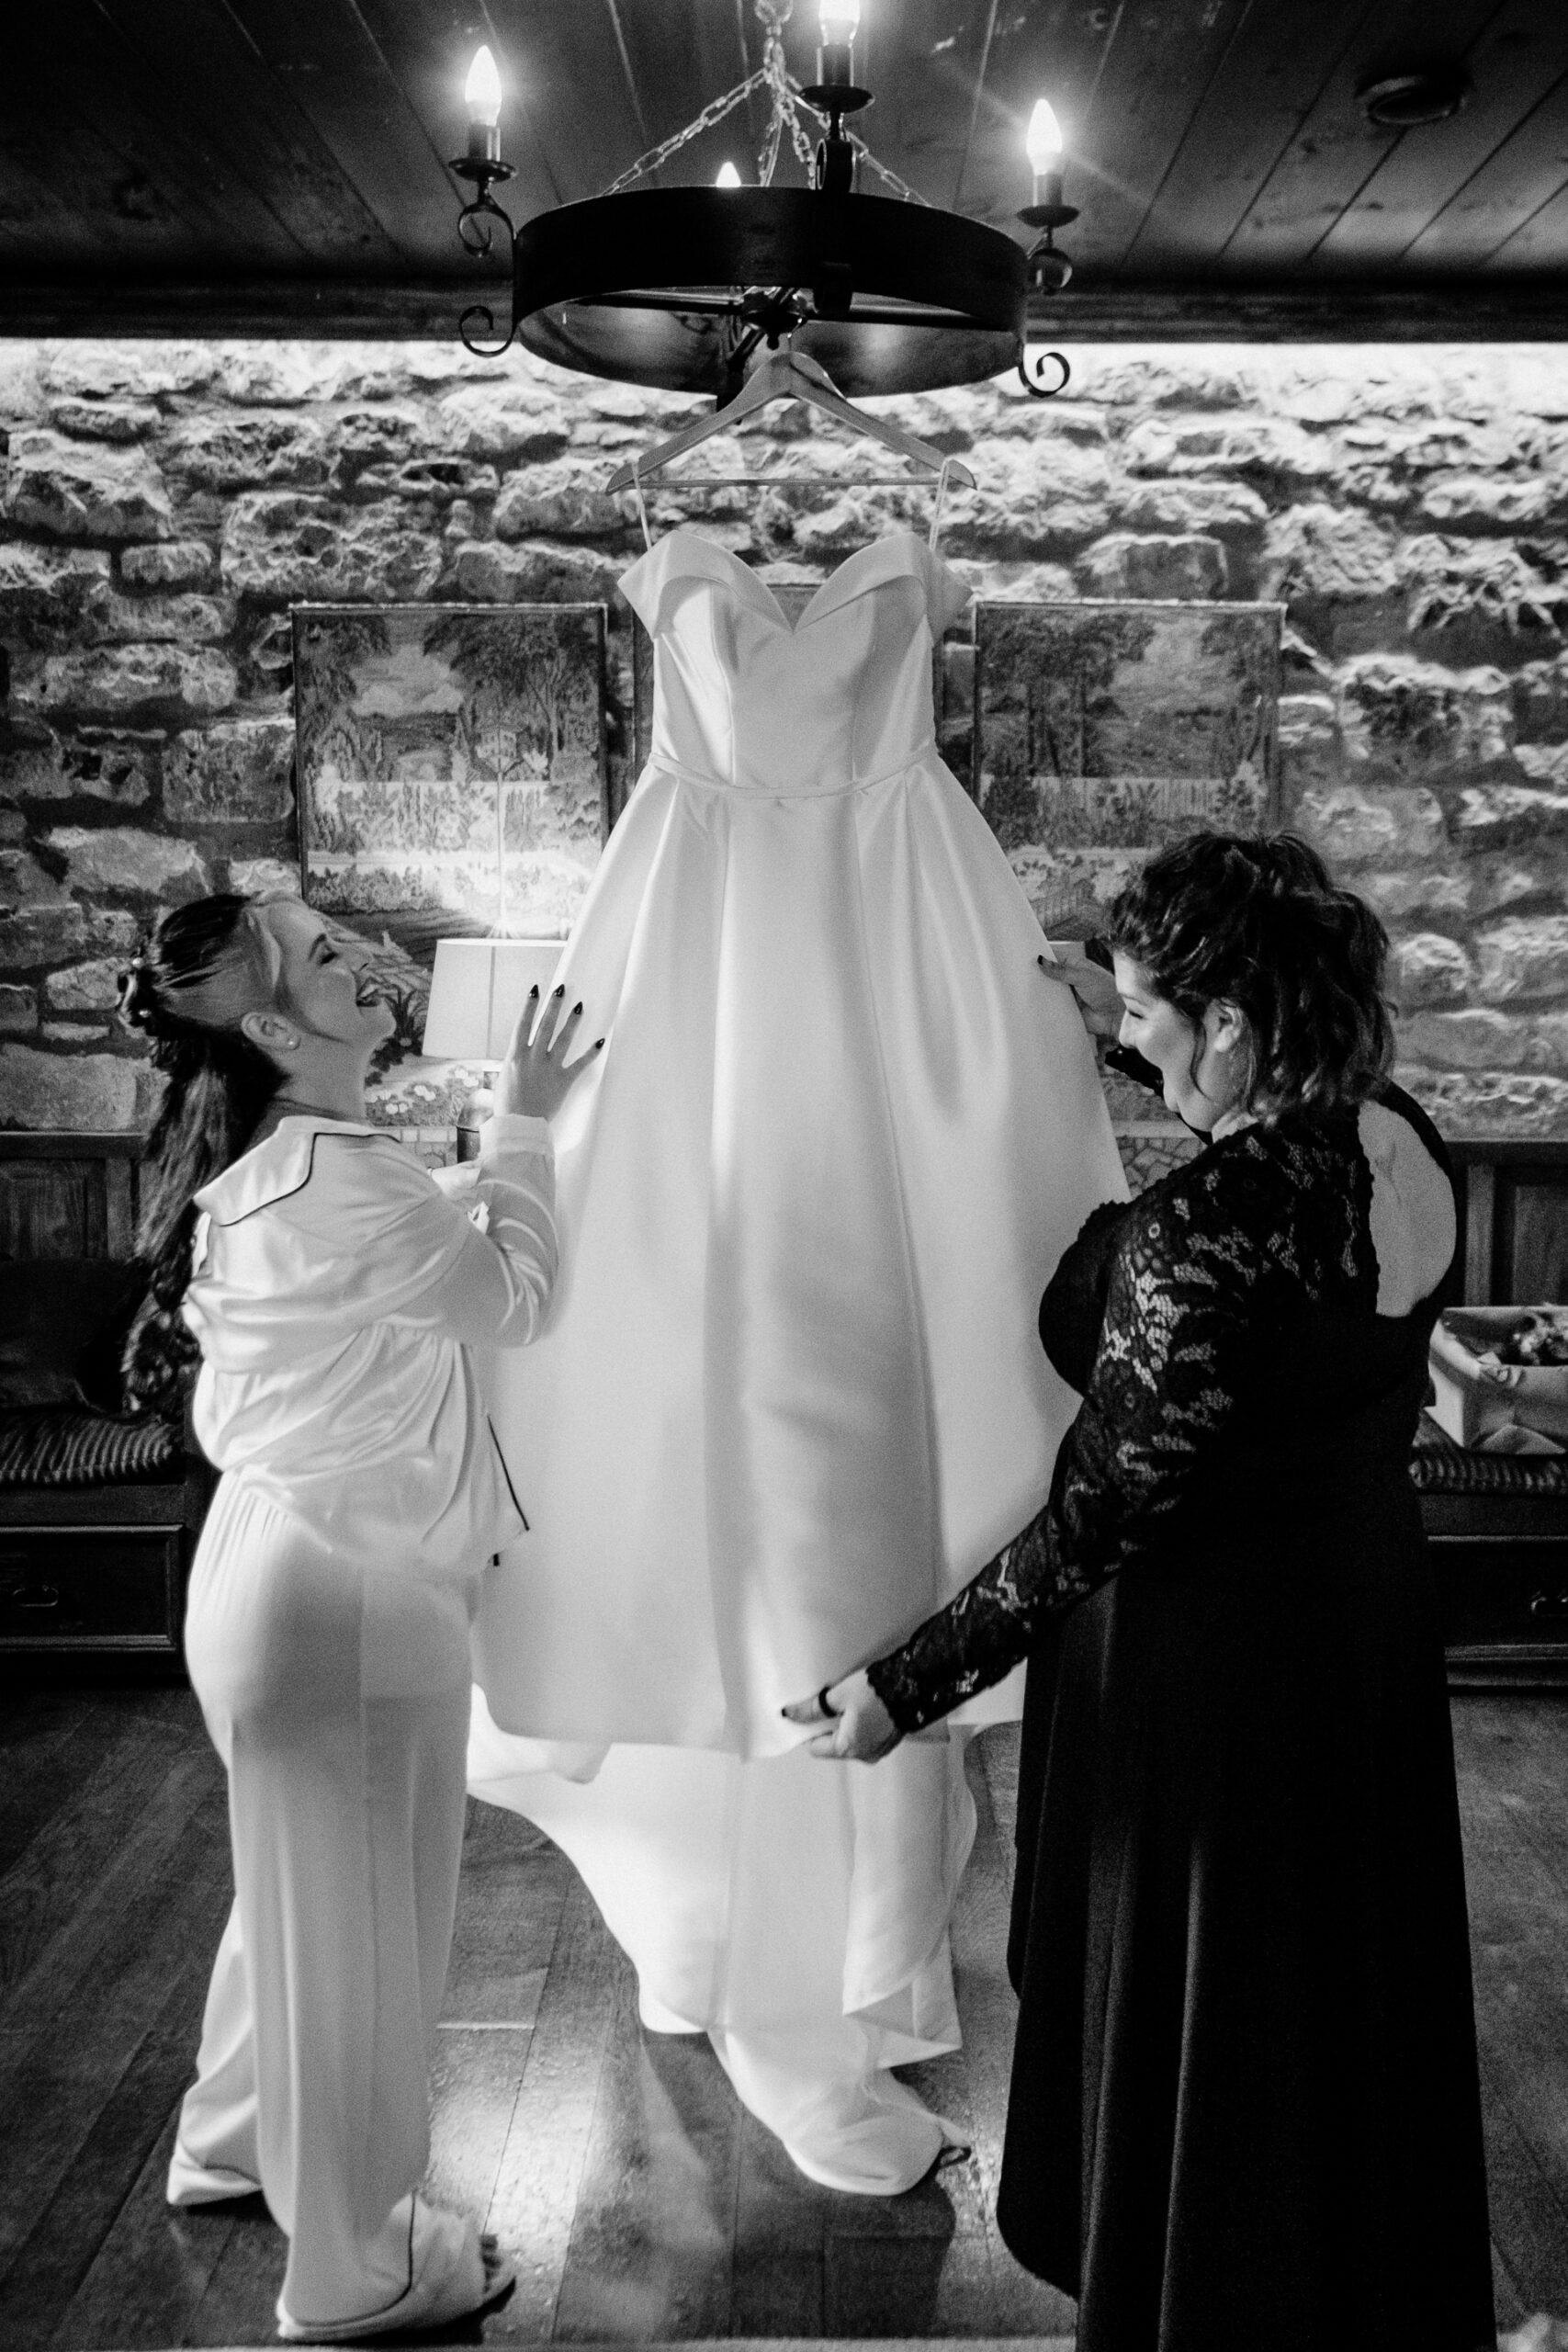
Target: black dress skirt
x: 1244, y: 2108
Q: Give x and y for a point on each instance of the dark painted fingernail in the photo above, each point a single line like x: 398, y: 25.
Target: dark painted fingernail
x: 578, y: 1006
x: 534, y: 991
x: 561, y: 991
x: 597, y: 1042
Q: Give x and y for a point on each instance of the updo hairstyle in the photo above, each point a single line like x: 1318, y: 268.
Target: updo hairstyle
x: 1256, y: 921
x: 188, y: 989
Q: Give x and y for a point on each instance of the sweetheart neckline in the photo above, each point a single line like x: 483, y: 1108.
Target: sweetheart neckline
x: 776, y: 611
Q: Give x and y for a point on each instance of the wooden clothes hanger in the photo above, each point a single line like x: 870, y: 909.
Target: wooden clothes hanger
x: 787, y: 375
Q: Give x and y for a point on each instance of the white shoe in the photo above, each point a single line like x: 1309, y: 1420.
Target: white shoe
x: 462, y: 2276
x: 862, y: 2131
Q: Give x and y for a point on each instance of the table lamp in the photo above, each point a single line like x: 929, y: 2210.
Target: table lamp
x: 479, y: 988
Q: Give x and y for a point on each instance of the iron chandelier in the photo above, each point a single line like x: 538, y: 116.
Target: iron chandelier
x: 678, y: 288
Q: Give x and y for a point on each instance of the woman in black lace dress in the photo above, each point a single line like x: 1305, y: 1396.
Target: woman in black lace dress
x: 1245, y: 2106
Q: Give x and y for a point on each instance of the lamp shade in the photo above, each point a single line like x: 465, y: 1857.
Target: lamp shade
x: 479, y: 988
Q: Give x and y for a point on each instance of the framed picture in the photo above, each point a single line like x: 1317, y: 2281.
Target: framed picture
x: 451, y: 767
x: 1104, y: 730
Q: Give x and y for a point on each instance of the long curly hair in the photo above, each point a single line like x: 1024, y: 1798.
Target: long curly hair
x: 1257, y: 921
x: 190, y: 986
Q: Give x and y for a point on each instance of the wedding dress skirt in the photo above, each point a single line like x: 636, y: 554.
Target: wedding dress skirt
x: 792, y: 1395
x: 796, y: 1911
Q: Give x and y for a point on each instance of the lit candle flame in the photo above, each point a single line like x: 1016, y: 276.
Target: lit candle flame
x: 482, y: 91
x: 841, y: 19
x: 728, y: 176
x: 1044, y: 143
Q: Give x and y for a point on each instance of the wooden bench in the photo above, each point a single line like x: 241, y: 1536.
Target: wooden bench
x: 1498, y: 1523
x: 102, y: 1566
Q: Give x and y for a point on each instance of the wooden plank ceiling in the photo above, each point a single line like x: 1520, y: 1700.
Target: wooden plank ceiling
x: 281, y: 162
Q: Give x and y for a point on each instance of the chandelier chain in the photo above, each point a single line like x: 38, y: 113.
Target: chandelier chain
x: 900, y: 187
x: 715, y: 111
x: 788, y: 105
x: 773, y: 14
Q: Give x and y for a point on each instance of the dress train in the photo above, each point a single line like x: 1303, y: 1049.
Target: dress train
x: 807, y: 2002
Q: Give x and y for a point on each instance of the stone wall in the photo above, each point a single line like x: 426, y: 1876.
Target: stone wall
x: 165, y: 504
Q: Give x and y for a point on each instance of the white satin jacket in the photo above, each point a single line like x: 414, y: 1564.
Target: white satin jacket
x: 337, y: 1292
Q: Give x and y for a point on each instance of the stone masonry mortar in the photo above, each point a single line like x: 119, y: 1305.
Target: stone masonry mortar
x: 165, y: 504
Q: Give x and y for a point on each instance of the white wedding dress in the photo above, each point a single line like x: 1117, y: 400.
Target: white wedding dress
x: 792, y: 1394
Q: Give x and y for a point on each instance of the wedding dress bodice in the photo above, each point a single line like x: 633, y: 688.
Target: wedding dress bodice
x: 841, y: 699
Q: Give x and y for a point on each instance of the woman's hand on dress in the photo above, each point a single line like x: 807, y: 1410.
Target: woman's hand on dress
x: 537, y: 1076
x: 857, y: 1726
x: 1094, y: 988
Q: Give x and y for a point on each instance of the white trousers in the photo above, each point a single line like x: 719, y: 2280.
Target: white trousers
x: 337, y: 1696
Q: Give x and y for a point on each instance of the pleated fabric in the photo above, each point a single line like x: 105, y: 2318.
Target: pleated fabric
x: 791, y: 1396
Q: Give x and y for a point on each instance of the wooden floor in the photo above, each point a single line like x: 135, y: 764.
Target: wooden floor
x: 640, y: 2203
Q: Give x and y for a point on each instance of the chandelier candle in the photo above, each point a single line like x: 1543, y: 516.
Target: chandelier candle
x: 835, y: 94
x: 1044, y: 145
x: 1049, y: 271
x: 481, y: 95
x: 836, y: 57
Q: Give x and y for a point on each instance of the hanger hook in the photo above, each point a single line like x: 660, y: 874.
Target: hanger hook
x: 1032, y: 384
x: 940, y: 500
x: 641, y: 505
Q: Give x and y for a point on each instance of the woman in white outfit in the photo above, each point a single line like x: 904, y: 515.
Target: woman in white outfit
x: 334, y: 1292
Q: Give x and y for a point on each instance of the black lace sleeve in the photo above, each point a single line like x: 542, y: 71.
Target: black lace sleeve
x: 1185, y: 1288
x: 1072, y: 1311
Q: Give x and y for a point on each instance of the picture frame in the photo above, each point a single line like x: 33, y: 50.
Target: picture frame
x: 451, y: 767
x: 1102, y: 730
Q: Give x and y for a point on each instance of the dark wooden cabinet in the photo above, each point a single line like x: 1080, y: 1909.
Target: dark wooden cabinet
x: 1501, y: 1556
x: 1498, y: 1524
x: 115, y: 1588
x: 100, y: 1568
x: 68, y: 1196
x: 1513, y: 1223
x: 89, y: 1568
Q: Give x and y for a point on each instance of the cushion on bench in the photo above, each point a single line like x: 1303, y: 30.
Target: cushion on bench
x: 62, y: 1446
x: 1439, y: 1467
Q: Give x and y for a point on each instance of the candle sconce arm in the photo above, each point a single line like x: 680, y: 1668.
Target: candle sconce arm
x: 476, y: 233
x: 481, y: 314
x: 1032, y: 384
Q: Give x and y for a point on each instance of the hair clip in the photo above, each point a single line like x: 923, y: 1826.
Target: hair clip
x: 137, y: 1002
